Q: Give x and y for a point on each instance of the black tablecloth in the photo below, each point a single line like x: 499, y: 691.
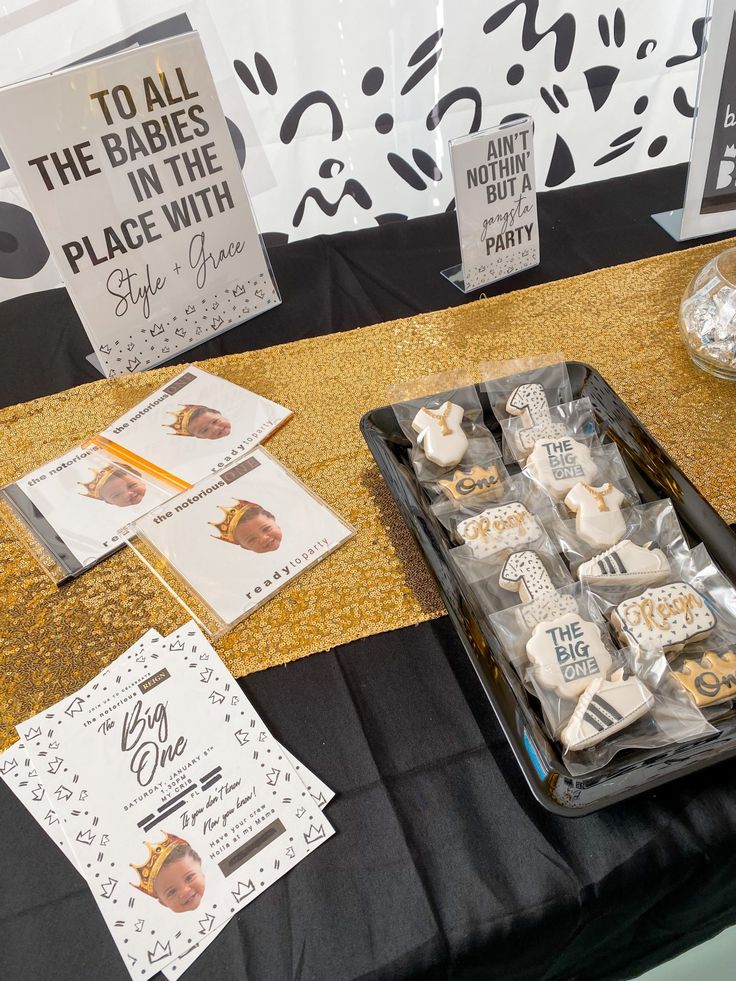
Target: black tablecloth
x: 443, y: 864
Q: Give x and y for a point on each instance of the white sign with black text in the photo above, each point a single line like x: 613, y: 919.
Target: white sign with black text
x: 131, y: 172
x: 496, y: 204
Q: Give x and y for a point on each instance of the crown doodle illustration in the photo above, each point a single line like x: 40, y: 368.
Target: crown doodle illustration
x: 157, y: 855
x: 94, y: 486
x: 711, y: 680
x: 231, y: 520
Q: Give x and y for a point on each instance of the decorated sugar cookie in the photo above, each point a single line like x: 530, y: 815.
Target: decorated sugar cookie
x: 506, y: 526
x: 471, y: 483
x: 598, y: 518
x: 529, y: 402
x: 567, y: 653
x: 711, y: 680
x: 667, y: 616
x: 559, y: 464
x: 524, y: 573
x: 440, y: 434
x: 606, y: 707
x: 635, y: 565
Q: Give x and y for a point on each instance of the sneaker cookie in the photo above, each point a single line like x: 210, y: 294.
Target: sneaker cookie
x: 440, y: 434
x: 635, y: 565
x: 606, y: 707
x: 667, y: 616
x: 567, y: 654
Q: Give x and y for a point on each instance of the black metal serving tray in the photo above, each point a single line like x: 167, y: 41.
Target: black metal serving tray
x: 655, y: 475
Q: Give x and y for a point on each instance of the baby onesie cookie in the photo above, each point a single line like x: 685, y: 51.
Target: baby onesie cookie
x: 529, y: 402
x: 635, y: 565
x: 598, y: 518
x: 559, y: 464
x: 471, y: 483
x: 667, y: 616
x: 440, y: 434
x: 525, y: 574
x: 506, y: 526
x: 567, y: 653
x: 606, y: 707
x: 711, y: 680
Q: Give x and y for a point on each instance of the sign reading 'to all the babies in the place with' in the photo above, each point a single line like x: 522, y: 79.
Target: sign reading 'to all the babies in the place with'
x: 496, y: 203
x: 131, y: 173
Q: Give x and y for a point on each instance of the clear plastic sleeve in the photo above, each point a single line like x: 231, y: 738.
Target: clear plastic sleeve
x: 233, y: 540
x: 447, y: 433
x: 68, y: 513
x: 559, y: 466
x: 652, y: 542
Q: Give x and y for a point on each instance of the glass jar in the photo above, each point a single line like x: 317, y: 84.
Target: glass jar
x: 708, y: 316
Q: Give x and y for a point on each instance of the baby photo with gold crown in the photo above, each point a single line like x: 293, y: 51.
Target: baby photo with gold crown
x: 193, y: 425
x: 172, y: 874
x: 236, y: 538
x: 76, y: 504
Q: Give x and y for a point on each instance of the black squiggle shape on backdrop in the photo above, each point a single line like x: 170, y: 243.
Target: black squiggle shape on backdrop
x: 426, y: 164
x: 23, y: 252
x: 384, y: 123
x: 352, y: 189
x: 425, y: 47
x: 245, y: 75
x: 390, y: 216
x: 434, y: 117
x: 625, y: 137
x: 515, y: 74
x: 265, y: 73
x: 656, y: 146
x: 418, y: 75
x: 698, y: 31
x: 604, y: 30
x: 600, y: 82
x: 619, y: 151
x: 294, y: 116
x: 640, y: 105
x: 372, y: 80
x: 679, y: 99
x: 561, y: 166
x: 549, y: 101
x: 644, y: 48
x: 238, y: 142
x: 563, y: 30
x: 406, y: 172
x: 619, y: 27
x: 326, y: 168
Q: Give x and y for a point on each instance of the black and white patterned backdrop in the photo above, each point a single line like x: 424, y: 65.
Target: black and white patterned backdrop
x: 341, y: 112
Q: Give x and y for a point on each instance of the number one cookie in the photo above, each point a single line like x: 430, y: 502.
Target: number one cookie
x: 524, y: 572
x: 440, y: 434
x: 529, y: 402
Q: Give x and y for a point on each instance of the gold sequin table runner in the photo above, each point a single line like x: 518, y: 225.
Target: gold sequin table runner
x: 622, y: 320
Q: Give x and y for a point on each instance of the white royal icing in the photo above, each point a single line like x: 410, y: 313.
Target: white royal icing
x: 626, y: 562
x: 559, y: 464
x: 524, y: 572
x: 440, y: 434
x: 493, y: 530
x: 529, y: 402
x: 567, y: 654
x: 666, y: 617
x: 598, y: 518
x: 604, y: 708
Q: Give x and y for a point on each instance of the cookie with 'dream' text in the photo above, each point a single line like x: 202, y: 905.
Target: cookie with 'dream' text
x: 666, y: 617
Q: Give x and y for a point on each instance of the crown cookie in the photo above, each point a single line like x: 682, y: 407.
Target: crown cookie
x: 440, y: 434
x: 475, y: 482
x: 711, y: 680
x: 666, y: 617
x: 567, y: 653
x: 491, y: 531
x: 559, y: 464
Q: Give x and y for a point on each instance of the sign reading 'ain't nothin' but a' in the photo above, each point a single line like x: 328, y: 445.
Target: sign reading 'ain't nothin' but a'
x: 130, y: 170
x: 496, y: 204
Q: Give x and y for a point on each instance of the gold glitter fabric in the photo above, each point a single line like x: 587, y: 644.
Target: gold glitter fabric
x: 621, y: 320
